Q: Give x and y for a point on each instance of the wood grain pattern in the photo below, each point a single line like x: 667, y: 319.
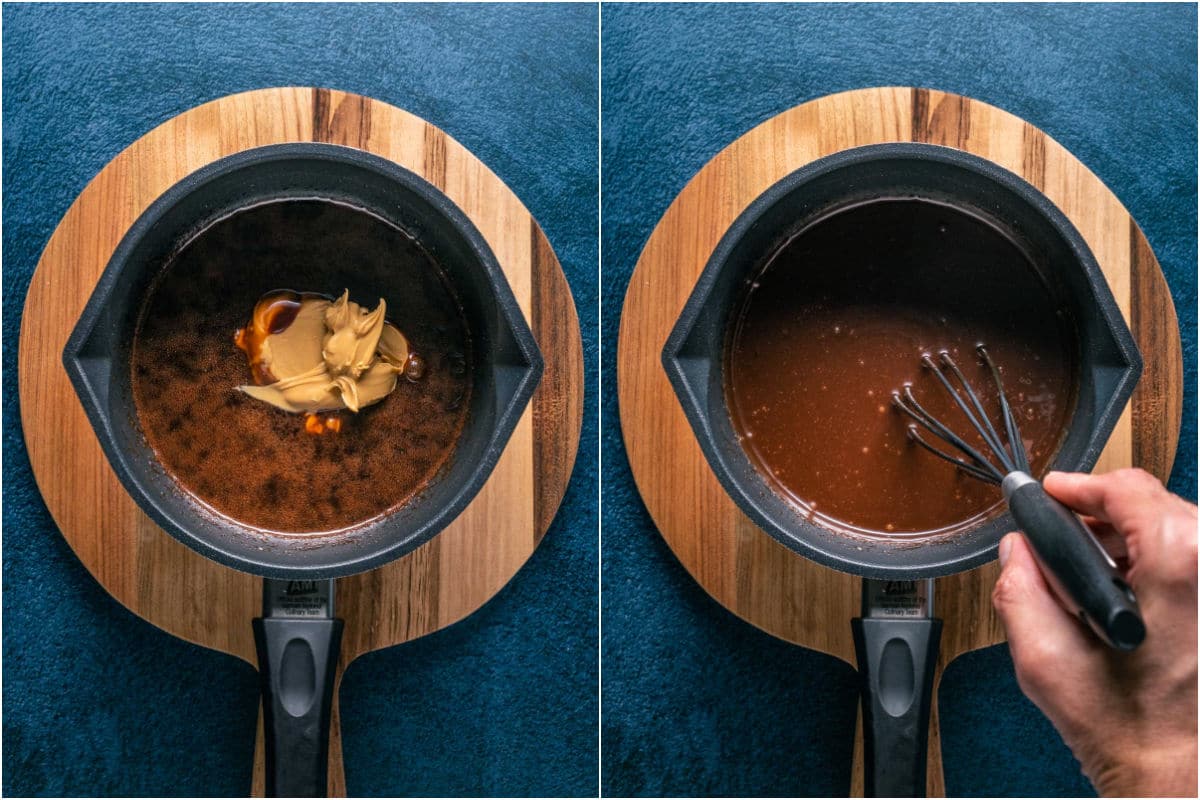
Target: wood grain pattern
x: 1158, y: 405
x: 163, y: 581
x: 559, y: 408
x: 740, y: 566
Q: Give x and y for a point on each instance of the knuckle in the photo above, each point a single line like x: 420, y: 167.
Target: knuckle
x: 1030, y: 688
x: 1000, y: 594
x: 1179, y: 551
x: 1187, y: 554
x: 1007, y: 592
x: 1035, y: 661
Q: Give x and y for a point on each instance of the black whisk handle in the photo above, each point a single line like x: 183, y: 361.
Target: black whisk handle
x: 1076, y: 566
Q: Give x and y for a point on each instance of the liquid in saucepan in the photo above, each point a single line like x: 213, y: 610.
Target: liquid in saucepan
x: 839, y: 316
x: 255, y: 463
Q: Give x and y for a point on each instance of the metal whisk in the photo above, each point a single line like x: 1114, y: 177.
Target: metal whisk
x: 1074, y: 563
x: 1012, y: 458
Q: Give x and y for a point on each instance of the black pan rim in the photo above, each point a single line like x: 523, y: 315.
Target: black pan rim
x: 342, y: 559
x: 810, y: 540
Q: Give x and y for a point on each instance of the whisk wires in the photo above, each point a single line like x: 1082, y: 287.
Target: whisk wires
x: 1003, y: 459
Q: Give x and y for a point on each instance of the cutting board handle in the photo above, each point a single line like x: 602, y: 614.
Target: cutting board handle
x: 297, y: 663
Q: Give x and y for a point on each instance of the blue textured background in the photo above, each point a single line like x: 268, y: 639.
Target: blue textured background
x: 97, y: 701
x: 696, y: 701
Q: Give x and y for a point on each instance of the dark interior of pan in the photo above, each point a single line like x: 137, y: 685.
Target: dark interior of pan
x: 506, y: 362
x: 1107, y: 364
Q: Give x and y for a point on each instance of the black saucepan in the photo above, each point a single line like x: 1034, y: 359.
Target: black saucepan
x: 298, y: 637
x: 897, y: 652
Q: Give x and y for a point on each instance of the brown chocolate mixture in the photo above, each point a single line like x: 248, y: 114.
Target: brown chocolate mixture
x: 839, y: 317
x: 255, y: 463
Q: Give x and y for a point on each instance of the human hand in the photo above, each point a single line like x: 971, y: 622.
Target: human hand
x: 1130, y: 718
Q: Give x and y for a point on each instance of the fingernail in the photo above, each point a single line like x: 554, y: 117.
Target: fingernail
x: 1005, y: 549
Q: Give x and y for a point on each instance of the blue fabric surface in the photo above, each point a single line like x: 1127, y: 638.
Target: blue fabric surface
x: 97, y: 701
x: 695, y: 701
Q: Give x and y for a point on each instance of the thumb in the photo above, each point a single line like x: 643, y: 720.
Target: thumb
x: 1042, y: 636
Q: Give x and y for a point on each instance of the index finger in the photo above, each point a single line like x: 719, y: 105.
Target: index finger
x: 1122, y: 498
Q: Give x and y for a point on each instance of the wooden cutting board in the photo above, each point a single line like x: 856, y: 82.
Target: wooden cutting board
x: 743, y: 568
x: 185, y: 594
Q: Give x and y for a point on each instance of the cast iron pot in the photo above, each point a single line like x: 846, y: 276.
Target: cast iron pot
x: 298, y: 637
x: 1108, y: 366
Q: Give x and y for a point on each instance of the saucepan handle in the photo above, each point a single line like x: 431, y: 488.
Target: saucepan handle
x: 1077, y: 568
x: 297, y: 658
x: 896, y: 658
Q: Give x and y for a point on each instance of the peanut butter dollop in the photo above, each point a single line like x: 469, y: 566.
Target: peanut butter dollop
x: 309, y: 354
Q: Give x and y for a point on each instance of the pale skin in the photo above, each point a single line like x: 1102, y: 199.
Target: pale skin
x: 1130, y: 718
